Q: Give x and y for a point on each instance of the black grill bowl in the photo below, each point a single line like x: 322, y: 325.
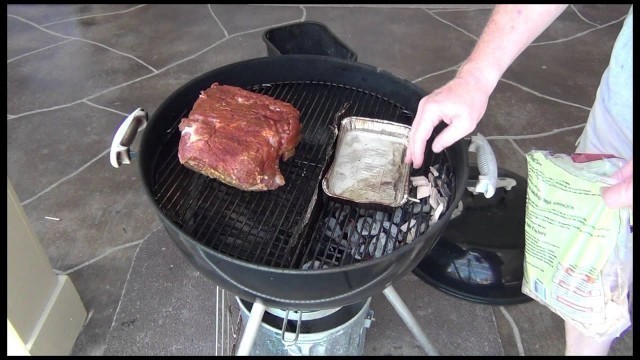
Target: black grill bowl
x: 271, y: 273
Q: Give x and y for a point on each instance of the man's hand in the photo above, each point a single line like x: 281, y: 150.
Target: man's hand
x: 460, y: 103
x: 621, y: 194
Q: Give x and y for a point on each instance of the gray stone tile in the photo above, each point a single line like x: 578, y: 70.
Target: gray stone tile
x: 623, y: 345
x: 44, y: 14
x: 551, y: 69
x: 100, y: 208
x: 444, y: 7
x: 602, y: 13
x: 541, y: 330
x: 433, y: 82
x: 409, y: 43
x: 514, y: 111
x: 566, y: 25
x: 507, y: 157
x: 159, y: 35
x: 151, y: 91
x: 73, y: 71
x: 100, y: 286
x: 23, y: 38
x: 562, y: 142
x: 239, y: 18
x: 568, y: 70
x: 472, y: 22
x: 454, y: 326
x: 506, y: 333
x: 168, y: 307
x: 43, y: 148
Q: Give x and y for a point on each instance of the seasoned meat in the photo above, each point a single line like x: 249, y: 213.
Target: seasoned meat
x: 238, y: 137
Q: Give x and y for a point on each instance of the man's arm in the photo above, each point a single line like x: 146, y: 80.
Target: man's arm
x: 461, y: 103
x: 510, y: 30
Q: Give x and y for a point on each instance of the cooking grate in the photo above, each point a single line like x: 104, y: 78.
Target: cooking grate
x: 270, y: 228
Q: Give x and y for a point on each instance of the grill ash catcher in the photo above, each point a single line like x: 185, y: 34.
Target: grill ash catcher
x: 303, y: 264
x: 480, y: 255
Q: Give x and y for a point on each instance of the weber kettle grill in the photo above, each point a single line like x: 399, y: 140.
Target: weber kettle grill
x: 271, y: 248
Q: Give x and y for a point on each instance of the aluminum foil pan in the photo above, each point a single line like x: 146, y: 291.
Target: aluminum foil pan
x: 368, y: 165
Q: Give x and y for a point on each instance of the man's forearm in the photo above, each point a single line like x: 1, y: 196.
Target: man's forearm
x: 510, y: 29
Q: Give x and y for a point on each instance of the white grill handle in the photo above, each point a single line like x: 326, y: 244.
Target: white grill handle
x: 120, y: 153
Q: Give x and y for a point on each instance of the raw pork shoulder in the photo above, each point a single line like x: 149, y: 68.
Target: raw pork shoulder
x: 238, y: 137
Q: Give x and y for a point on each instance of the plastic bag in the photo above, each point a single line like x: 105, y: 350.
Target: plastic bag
x: 578, y: 252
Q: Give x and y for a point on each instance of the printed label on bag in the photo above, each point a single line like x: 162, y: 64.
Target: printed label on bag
x: 566, y: 243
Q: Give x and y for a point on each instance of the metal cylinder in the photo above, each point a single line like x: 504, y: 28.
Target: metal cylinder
x: 338, y: 332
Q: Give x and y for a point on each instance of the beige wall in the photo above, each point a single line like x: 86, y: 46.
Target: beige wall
x: 44, y: 310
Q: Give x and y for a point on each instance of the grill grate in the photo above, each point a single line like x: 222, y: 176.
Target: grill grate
x: 268, y: 227
x: 337, y: 239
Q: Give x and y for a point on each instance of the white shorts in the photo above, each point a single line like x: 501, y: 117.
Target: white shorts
x: 603, y: 135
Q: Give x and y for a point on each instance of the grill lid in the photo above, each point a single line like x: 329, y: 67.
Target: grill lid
x: 480, y: 255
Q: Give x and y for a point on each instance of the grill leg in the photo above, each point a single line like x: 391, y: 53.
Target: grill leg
x: 251, y: 331
x: 409, y: 320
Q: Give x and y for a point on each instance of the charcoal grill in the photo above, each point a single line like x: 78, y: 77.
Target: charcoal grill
x: 271, y: 247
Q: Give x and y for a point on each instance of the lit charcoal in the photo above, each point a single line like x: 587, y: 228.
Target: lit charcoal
x: 353, y: 236
x: 415, y: 229
x: 333, y: 229
x: 368, y: 226
x: 411, y: 235
x: 358, y: 253
x: 391, y: 229
x: 445, y: 189
x: 443, y: 198
x: 437, y: 213
x: 380, y: 215
x: 431, y: 179
x: 380, y: 246
x: 316, y: 265
x: 434, y: 171
x: 397, y: 216
x: 342, y: 213
x: 434, y: 200
x: 407, y: 225
x: 422, y: 207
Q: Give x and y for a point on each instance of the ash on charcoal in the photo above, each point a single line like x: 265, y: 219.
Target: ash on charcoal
x: 358, y: 253
x: 380, y: 246
x: 316, y: 265
x: 333, y: 229
x: 368, y: 226
x: 390, y: 229
x: 360, y: 233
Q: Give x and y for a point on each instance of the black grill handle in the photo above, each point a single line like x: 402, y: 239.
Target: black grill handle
x: 307, y: 38
x: 124, y: 137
